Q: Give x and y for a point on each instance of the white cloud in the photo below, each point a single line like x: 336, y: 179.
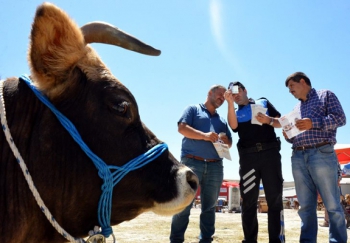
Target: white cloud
x: 216, y: 23
x: 218, y: 30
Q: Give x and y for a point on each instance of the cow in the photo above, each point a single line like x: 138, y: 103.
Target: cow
x: 68, y: 74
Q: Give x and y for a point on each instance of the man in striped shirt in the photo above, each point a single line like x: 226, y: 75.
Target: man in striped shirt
x: 314, y: 162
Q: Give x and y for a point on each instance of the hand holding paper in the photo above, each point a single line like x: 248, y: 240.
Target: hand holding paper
x: 255, y: 110
x: 288, y: 123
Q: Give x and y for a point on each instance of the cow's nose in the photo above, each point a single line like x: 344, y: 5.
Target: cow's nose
x: 192, y: 180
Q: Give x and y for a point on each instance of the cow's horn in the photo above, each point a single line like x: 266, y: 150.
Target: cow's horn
x: 100, y: 32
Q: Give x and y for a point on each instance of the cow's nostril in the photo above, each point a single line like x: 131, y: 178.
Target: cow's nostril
x: 192, y: 180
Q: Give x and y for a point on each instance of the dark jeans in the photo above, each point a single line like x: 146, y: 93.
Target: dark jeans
x: 316, y: 170
x: 266, y: 166
x: 210, y: 175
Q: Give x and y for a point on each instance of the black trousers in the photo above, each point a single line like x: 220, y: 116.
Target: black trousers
x: 266, y: 166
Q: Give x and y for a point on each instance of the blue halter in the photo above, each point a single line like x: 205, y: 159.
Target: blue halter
x: 110, y: 179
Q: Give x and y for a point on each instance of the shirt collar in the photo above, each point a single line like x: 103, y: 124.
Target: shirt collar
x: 205, y: 108
x: 311, y: 93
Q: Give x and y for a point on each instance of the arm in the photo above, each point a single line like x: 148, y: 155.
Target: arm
x: 231, y: 114
x: 192, y: 133
x: 335, y: 116
x: 270, y: 120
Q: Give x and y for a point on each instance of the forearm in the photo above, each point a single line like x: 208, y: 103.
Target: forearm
x: 190, y: 132
x: 274, y: 122
x: 231, y: 116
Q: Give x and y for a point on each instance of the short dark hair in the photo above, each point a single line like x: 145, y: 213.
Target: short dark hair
x: 239, y: 84
x: 297, y: 76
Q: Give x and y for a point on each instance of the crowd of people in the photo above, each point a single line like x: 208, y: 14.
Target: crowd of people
x: 314, y: 162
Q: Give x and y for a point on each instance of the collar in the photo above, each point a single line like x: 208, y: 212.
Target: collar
x: 311, y: 93
x: 205, y: 108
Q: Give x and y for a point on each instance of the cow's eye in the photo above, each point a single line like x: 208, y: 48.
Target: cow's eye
x: 121, y: 107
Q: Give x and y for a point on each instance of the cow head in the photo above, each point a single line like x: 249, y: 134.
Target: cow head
x: 69, y: 72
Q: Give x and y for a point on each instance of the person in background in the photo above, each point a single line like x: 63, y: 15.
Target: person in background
x: 201, y: 125
x: 314, y: 162
x: 259, y: 159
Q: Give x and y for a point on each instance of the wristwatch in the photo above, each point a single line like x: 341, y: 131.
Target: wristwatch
x: 271, y: 122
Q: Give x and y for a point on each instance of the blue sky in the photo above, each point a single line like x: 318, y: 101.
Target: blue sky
x: 206, y: 42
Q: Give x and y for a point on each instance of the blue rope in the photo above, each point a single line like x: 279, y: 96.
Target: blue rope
x: 110, y: 179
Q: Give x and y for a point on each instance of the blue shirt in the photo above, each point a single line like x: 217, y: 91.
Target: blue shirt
x: 199, y: 118
x: 326, y: 114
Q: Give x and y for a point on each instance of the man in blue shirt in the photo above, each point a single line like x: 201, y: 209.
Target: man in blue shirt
x: 201, y: 126
x: 314, y: 162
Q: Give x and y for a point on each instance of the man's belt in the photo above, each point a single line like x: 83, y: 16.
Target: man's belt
x: 259, y: 147
x: 311, y: 146
x: 200, y: 158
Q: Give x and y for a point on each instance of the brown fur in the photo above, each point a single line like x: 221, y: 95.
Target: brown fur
x: 57, y: 47
x: 81, y: 87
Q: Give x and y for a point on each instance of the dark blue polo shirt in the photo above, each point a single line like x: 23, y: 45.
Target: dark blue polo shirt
x: 198, y: 117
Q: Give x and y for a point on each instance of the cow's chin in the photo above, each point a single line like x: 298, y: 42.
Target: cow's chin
x: 185, y: 196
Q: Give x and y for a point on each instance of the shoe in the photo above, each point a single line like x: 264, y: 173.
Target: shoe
x: 324, y: 224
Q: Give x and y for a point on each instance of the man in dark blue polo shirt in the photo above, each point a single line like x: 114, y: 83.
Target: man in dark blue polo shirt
x: 201, y: 126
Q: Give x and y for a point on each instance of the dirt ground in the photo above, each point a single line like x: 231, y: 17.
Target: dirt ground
x: 150, y: 227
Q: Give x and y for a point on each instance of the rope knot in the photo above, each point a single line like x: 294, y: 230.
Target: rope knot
x: 107, y: 231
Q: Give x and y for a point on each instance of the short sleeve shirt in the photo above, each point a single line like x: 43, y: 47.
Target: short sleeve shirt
x: 250, y: 134
x: 199, y: 118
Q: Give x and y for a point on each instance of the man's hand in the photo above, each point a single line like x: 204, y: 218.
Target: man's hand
x: 304, y: 124
x: 211, y: 136
x: 263, y: 118
x: 284, y: 134
x: 229, y: 96
x: 224, y: 138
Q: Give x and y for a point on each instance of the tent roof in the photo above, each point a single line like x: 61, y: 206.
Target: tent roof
x: 343, y: 153
x: 230, y: 183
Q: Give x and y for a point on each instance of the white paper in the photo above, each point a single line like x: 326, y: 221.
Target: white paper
x: 223, y: 150
x: 255, y: 110
x: 288, y: 123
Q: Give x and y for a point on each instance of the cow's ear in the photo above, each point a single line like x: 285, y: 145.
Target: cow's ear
x: 56, y: 45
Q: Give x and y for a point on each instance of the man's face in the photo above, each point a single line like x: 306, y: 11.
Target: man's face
x: 241, y: 98
x: 217, y: 97
x: 297, y: 89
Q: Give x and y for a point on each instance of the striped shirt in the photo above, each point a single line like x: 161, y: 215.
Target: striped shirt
x: 326, y: 114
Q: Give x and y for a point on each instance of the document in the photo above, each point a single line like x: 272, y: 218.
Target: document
x: 288, y: 123
x: 255, y: 110
x: 223, y: 150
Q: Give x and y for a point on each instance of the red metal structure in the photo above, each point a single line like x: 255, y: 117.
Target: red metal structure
x: 343, y: 153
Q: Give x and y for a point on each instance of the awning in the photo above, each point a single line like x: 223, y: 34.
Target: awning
x: 343, y: 153
x: 230, y: 184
